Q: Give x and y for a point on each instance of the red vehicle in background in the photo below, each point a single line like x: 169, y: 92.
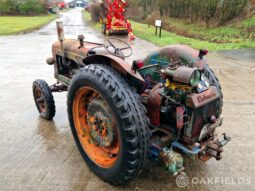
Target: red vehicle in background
x: 62, y: 5
x: 111, y: 13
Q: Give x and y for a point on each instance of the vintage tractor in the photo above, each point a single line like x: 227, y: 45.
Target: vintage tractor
x: 122, y: 114
x: 111, y: 14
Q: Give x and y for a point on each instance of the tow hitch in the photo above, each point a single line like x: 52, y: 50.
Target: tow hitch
x: 213, y: 149
x: 205, y: 151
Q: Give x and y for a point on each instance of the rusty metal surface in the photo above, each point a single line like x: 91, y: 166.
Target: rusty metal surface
x: 60, y: 30
x: 73, y: 51
x: 180, y: 117
x: 181, y: 74
x: 181, y: 53
x: 153, y: 105
x: 41, y: 155
x: 197, y: 100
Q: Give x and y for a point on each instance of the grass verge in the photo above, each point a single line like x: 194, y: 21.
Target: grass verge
x: 236, y: 32
x: 21, y: 24
x: 168, y: 38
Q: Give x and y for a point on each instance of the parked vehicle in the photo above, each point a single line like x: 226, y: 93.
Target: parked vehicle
x: 122, y: 114
x: 111, y: 14
x: 62, y: 5
x: 52, y: 10
x: 71, y: 5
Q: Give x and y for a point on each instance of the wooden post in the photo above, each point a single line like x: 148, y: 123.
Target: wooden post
x: 149, y: 19
x: 158, y: 24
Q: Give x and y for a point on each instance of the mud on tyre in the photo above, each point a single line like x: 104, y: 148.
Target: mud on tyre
x: 108, y: 123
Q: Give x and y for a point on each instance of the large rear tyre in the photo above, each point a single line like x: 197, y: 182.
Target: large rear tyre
x: 214, y: 81
x: 108, y: 123
x: 44, y: 100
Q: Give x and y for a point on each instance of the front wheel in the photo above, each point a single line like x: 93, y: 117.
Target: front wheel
x: 108, y: 123
x: 44, y: 100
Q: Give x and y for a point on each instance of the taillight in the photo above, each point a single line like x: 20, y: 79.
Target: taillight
x: 137, y: 64
x: 202, y: 53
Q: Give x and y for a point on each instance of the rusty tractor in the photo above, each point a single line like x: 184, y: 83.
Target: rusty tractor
x: 122, y: 114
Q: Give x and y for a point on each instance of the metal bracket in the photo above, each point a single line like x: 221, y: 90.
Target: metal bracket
x: 58, y: 87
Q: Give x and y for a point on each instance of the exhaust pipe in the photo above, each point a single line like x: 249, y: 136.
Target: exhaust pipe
x: 60, y: 30
x: 61, y: 37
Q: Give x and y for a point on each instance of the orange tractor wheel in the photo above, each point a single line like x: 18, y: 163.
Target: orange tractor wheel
x: 108, y: 123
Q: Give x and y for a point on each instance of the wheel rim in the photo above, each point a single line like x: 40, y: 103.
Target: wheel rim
x: 40, y: 101
x: 96, y: 127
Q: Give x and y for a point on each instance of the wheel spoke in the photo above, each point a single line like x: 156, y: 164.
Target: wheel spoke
x: 40, y: 100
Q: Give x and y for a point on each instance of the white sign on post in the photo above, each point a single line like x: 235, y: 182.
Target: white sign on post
x: 158, y: 23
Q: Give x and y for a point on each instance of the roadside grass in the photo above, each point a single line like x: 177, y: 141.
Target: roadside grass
x: 235, y: 32
x: 168, y: 38
x: 19, y: 24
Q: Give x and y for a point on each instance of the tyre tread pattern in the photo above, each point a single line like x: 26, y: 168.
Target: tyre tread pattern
x: 132, y: 114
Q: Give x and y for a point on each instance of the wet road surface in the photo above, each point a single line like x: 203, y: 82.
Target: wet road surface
x: 39, y: 155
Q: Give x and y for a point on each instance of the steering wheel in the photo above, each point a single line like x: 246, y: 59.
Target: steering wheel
x: 118, y: 47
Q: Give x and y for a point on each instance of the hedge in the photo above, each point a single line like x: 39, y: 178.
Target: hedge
x: 25, y: 7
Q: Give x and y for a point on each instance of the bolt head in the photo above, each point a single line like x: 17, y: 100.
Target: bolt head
x: 213, y: 119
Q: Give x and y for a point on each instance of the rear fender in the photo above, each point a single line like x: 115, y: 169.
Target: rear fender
x: 80, y: 56
x: 121, y: 66
x: 174, y: 53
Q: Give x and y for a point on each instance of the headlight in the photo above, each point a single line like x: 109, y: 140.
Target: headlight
x: 203, y: 84
x: 207, y: 84
x: 203, y: 78
x: 194, y: 79
x: 200, y: 86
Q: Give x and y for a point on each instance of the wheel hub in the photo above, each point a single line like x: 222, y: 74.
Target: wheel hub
x: 100, y: 124
x: 40, y: 100
x: 96, y: 127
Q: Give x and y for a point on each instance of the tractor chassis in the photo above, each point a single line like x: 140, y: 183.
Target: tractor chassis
x: 58, y: 87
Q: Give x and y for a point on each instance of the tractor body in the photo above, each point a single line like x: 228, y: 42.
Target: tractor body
x: 161, y: 107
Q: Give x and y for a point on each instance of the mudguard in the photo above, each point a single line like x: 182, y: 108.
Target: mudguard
x: 185, y: 54
x: 174, y: 53
x: 82, y: 56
